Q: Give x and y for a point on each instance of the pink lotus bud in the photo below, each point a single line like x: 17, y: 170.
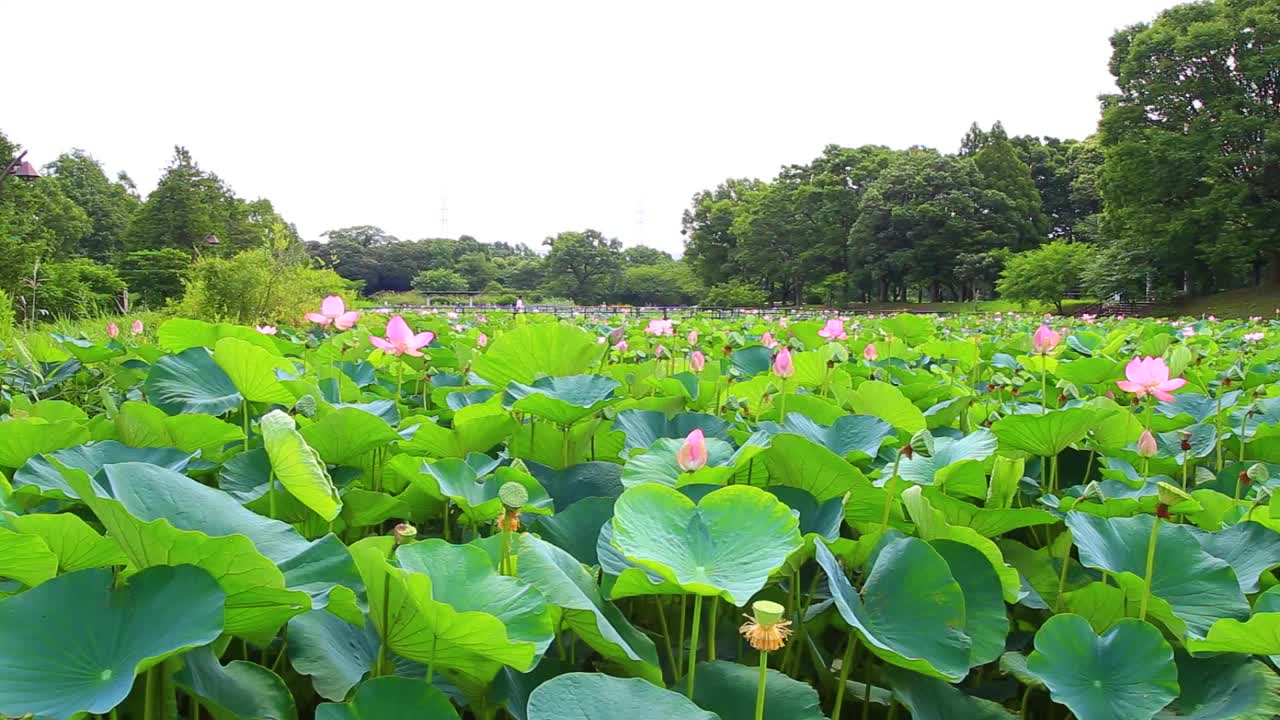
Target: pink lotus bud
x: 660, y: 351
x: 870, y: 353
x: 783, y: 366
x: 482, y: 340
x: 1045, y: 340
x: 137, y: 327
x: 768, y: 341
x: 693, y: 454
x: 693, y: 337
x: 1147, y: 447
x: 621, y: 346
x: 697, y: 361
x: 113, y: 330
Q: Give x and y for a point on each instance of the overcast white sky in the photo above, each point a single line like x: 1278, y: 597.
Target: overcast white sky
x: 529, y: 118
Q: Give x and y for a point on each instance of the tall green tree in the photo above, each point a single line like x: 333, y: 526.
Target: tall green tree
x: 583, y: 265
x: 109, y: 205
x: 710, y: 245
x: 1005, y: 173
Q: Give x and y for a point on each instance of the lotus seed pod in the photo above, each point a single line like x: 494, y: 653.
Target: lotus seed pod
x: 922, y: 443
x: 513, y: 495
x: 767, y: 612
x: 405, y: 533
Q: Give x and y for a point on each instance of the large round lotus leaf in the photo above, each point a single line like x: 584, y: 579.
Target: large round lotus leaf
x: 24, y: 438
x: 952, y: 463
x: 475, y: 429
x: 988, y: 522
x: 887, y: 402
x: 750, y: 361
x: 985, y: 620
x: 1224, y: 687
x: 659, y: 464
x: 1250, y: 549
x: 342, y: 436
x: 391, y: 698
x: 1127, y: 673
x: 1259, y: 635
x: 592, y: 696
x: 191, y: 382
x: 335, y: 653
x: 1191, y: 589
x: 911, y: 611
x: 584, y: 480
x: 857, y: 435
x: 728, y: 544
x: 73, y: 644
x: 1044, y: 434
x: 525, y: 353
x: 74, y: 544
x: 473, y: 484
x: 240, y: 688
x: 252, y: 370
x: 795, y: 461
x: 463, y: 577
x: 298, y: 466
x: 623, y: 578
x: 467, y: 647
x: 567, y: 585
x: 932, y: 524
x: 140, y: 425
x: 41, y: 473
x: 26, y: 558
x: 577, y: 529
x: 563, y: 400
x: 643, y: 428
x: 180, y: 334
x: 929, y: 698
x: 729, y: 690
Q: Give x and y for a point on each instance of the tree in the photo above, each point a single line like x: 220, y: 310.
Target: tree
x: 710, y: 245
x: 439, y: 280
x: 1003, y: 172
x: 645, y: 255
x: 109, y: 205
x: 477, y: 269
x: 667, y: 283
x: 363, y: 235
x: 583, y: 265
x: 1045, y: 274
x: 154, y: 277
x: 735, y: 293
x: 1192, y: 144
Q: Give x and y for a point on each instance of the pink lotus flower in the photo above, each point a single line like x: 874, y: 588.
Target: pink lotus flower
x: 693, y: 337
x: 482, y: 340
x: 1149, y: 375
x: 452, y: 315
x: 334, y: 311
x: 265, y: 329
x: 783, y: 366
x: 113, y: 330
x: 692, y: 455
x: 768, y: 341
x: 660, y: 351
x: 660, y: 327
x: 1253, y: 337
x: 1147, y: 447
x: 1088, y: 319
x: 1188, y: 331
x: 870, y: 353
x: 1045, y: 340
x: 136, y: 328
x: 833, y: 330
x: 783, y: 323
x: 697, y: 361
x: 1213, y: 318
x: 400, y: 339
x: 621, y: 346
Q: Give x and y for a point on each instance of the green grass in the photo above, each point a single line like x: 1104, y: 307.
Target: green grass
x: 1244, y: 303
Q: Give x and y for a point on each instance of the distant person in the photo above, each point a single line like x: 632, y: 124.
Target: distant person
x: 519, y: 304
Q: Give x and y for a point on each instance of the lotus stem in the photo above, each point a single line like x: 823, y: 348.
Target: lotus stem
x: 1044, y: 386
x: 888, y: 500
x: 1062, y: 580
x: 845, y: 663
x: 666, y: 633
x: 244, y: 412
x: 693, y: 643
x: 711, y: 629
x: 1026, y: 697
x: 680, y: 633
x: 866, y: 687
x: 1151, y: 561
x: 764, y: 674
x: 149, y: 691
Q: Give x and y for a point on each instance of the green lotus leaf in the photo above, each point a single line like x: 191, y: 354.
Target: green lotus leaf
x: 912, y: 328
x: 581, y: 481
x: 955, y: 464
x: 240, y: 688
x: 929, y: 698
x: 985, y: 620
x: 727, y: 545
x: 26, y: 558
x: 252, y: 370
x: 911, y: 610
x: 257, y: 599
x: 191, y: 382
x: 180, y: 334
x: 751, y: 361
x: 642, y: 428
x: 1250, y: 548
x: 362, y: 508
x: 74, y: 544
x: 589, y: 440
x: 1225, y: 687
x: 463, y: 577
x: 577, y: 529
x: 298, y: 466
x: 391, y: 698
x: 467, y: 646
x: 563, y: 400
x: 729, y: 690
x: 931, y: 524
x: 567, y: 585
x: 1006, y: 474
x: 623, y: 578
x: 794, y: 461
x: 88, y: 352
x: 1090, y: 371
x: 335, y: 653
x: 659, y: 464
x: 140, y: 425
x: 1191, y: 589
x: 473, y: 485
x: 1258, y: 635
x: 988, y: 522
x: 51, y: 410
x: 474, y: 429
x: 53, y: 670
x: 887, y: 402
x: 1045, y: 434
x: 1102, y: 605
x: 592, y: 696
x: 859, y: 436
x: 525, y: 353
x: 24, y: 438
x: 344, y: 435
x: 1127, y: 673
x: 41, y: 473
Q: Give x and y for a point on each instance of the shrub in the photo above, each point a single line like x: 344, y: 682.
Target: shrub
x: 72, y: 288
x: 6, y: 315
x: 438, y: 280
x: 154, y: 277
x: 257, y: 286
x: 1044, y: 274
x: 735, y: 293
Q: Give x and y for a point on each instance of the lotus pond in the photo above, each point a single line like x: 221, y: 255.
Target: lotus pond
x: 446, y: 517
